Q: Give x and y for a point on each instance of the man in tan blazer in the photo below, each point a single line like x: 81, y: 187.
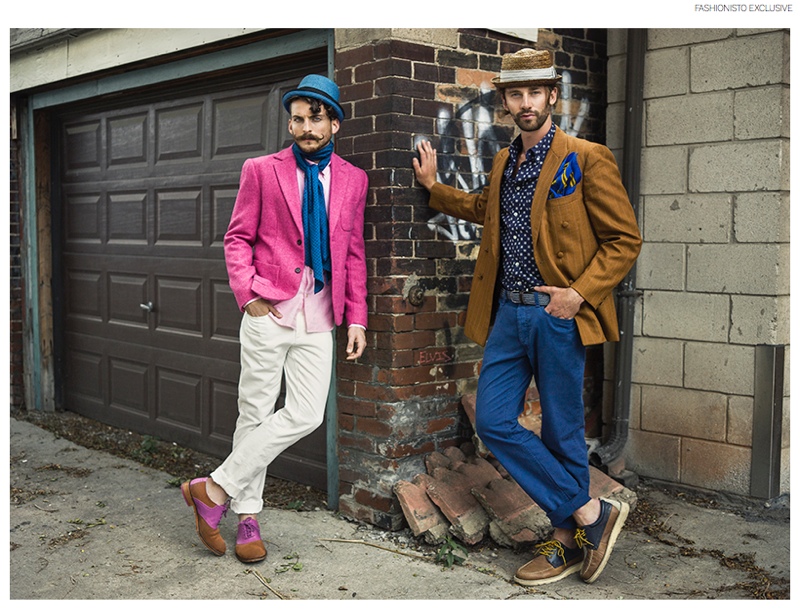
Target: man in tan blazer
x: 559, y: 234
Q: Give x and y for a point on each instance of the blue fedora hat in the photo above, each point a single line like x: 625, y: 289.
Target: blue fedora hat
x: 318, y: 87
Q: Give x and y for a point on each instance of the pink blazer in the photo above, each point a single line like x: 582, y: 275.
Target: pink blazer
x: 264, y: 249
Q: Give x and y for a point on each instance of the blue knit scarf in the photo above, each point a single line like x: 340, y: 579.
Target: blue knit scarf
x: 315, y: 216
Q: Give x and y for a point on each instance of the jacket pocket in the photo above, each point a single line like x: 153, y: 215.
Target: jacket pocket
x: 265, y: 270
x: 346, y: 218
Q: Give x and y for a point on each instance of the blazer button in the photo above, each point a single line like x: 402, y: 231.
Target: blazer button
x: 299, y: 242
x: 564, y: 224
x: 560, y: 254
x: 297, y: 270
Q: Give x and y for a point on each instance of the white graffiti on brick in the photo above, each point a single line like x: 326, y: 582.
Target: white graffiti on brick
x: 468, y: 142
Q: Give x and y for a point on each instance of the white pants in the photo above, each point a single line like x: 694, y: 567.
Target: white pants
x: 267, y: 351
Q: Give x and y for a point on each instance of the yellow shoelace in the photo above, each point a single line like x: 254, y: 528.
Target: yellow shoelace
x: 548, y: 548
x: 581, y: 540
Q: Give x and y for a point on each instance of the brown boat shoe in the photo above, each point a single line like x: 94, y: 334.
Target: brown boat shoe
x: 554, y: 561
x: 598, y: 539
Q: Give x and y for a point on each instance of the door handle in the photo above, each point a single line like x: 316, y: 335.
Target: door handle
x: 147, y: 306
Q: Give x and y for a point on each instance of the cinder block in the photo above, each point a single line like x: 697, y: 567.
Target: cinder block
x: 688, y: 218
x: 684, y: 412
x: 740, y: 62
x: 740, y: 166
x: 659, y: 38
x: 761, y: 217
x: 653, y: 455
x: 661, y: 266
x: 786, y: 459
x: 761, y: 113
x: 694, y: 111
x: 616, y: 79
x: 760, y: 320
x: 687, y: 315
x: 666, y: 73
x: 741, y: 268
x: 728, y: 369
x: 740, y: 421
x: 715, y: 466
x: 664, y: 170
x: 615, y: 126
x: 657, y: 361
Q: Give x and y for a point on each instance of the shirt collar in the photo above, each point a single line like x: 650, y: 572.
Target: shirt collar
x: 543, y: 145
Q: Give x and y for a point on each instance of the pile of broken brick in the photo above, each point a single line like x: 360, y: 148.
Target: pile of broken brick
x: 465, y: 493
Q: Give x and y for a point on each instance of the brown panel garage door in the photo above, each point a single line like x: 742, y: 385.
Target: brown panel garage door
x: 150, y: 325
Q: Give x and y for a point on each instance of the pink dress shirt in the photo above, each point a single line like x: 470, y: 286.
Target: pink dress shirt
x: 317, y: 308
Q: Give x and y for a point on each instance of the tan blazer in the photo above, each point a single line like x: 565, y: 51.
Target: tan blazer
x: 588, y: 239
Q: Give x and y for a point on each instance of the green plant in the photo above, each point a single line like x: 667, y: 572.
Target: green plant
x: 149, y: 444
x: 451, y: 553
x: 290, y: 566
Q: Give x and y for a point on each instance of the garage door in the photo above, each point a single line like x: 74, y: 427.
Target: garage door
x: 150, y: 325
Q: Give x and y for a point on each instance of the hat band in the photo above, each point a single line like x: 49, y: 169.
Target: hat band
x: 523, y: 75
x: 318, y: 92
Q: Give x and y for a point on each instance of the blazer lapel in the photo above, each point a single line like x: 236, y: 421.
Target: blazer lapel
x: 492, y: 223
x: 286, y: 172
x: 553, y: 160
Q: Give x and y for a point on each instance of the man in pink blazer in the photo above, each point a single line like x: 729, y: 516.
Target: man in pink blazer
x: 295, y: 256
x: 559, y: 234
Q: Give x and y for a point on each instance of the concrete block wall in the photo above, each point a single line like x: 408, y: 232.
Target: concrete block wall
x: 401, y: 401
x: 714, y: 267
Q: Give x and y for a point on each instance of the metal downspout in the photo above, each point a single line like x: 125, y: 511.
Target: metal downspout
x: 332, y: 411
x: 609, y: 452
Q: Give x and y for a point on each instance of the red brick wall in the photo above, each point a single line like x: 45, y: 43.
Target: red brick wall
x: 402, y: 399
x: 15, y: 277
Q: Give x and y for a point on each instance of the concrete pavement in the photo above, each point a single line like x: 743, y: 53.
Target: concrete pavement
x: 87, y: 525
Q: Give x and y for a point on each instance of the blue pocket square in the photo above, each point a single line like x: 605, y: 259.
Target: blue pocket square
x: 567, y: 177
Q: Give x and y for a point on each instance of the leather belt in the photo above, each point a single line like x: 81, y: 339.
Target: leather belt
x: 537, y: 299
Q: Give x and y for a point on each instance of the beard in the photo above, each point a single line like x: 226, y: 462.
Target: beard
x: 535, y: 123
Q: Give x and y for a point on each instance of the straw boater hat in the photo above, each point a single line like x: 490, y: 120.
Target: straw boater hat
x: 526, y: 67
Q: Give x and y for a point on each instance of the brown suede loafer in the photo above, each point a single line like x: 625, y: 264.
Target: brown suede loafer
x: 598, y: 539
x: 554, y: 561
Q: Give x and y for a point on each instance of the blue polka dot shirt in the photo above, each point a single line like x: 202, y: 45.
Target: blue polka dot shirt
x: 519, y: 272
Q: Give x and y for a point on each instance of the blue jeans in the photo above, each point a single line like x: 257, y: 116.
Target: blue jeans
x: 526, y: 342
